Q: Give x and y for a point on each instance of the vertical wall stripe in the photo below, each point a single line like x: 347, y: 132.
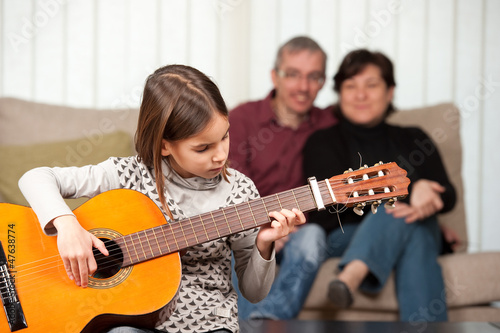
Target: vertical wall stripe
x: 188, y: 30
x: 336, y: 36
x: 64, y: 55
x: 96, y: 58
x: 159, y: 35
x: 425, y: 54
x: 482, y: 119
x: 127, y: 46
x: 33, y: 75
x: 2, y: 46
x: 455, y: 51
x: 308, y: 19
x: 278, y: 23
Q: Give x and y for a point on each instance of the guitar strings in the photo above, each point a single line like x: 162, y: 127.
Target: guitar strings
x: 231, y: 215
x: 176, y: 229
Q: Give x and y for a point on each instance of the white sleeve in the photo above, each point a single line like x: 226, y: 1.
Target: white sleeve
x: 255, y: 274
x: 44, y: 188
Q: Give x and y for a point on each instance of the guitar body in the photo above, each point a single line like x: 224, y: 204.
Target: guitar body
x: 141, y: 295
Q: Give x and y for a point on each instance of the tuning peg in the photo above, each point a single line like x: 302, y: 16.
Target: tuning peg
x: 375, y: 206
x: 348, y: 170
x: 390, y: 203
x: 359, y: 210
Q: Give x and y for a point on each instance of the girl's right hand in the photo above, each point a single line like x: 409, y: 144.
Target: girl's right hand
x: 75, y: 247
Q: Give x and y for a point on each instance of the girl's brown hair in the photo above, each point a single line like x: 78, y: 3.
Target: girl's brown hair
x: 178, y: 102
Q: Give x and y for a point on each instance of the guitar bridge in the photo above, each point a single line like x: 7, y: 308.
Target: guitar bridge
x: 11, y: 305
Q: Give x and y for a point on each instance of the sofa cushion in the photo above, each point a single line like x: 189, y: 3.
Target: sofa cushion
x: 17, y: 159
x: 442, y: 123
x: 465, y: 276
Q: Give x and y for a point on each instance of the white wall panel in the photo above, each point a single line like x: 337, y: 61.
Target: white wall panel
x: 173, y: 31
x: 143, y: 55
x: 19, y: 34
x: 113, y: 44
x: 204, y: 37
x: 294, y: 19
x: 410, y: 59
x: 234, y: 52
x: 381, y: 25
x: 80, y: 76
x: 352, y: 20
x: 438, y: 84
x: 49, y: 54
x: 489, y: 91
x: 264, y: 42
x: 324, y: 29
x: 468, y: 75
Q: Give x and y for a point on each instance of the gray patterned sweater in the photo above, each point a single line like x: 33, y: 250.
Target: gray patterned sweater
x: 207, y: 300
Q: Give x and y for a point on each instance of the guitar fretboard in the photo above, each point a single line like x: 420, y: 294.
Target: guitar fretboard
x: 168, y: 238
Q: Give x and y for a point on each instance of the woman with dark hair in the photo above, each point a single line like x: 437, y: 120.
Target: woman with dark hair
x: 404, y: 239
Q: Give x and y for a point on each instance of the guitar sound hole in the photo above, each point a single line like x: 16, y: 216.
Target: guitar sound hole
x: 108, y: 266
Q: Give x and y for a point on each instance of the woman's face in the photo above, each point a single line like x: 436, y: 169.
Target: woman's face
x: 364, y: 98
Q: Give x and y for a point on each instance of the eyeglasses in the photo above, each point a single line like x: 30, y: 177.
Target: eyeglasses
x: 294, y: 76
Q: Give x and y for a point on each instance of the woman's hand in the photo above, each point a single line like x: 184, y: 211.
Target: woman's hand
x: 282, y: 224
x: 75, y: 247
x: 425, y: 201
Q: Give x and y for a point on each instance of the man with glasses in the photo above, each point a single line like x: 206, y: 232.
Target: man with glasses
x: 266, y: 141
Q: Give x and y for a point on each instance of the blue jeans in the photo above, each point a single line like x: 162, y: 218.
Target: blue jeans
x: 386, y: 244
x: 299, y: 262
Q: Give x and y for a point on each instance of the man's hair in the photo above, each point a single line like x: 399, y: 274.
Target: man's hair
x: 297, y: 44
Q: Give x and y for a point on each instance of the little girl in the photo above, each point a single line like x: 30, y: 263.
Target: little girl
x: 182, y: 143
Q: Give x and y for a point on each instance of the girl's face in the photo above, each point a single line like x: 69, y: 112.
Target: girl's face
x: 202, y: 155
x: 364, y: 98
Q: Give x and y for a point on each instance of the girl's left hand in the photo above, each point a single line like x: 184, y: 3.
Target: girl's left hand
x: 282, y: 224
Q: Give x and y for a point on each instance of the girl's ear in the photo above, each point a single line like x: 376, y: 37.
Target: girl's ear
x: 165, y: 148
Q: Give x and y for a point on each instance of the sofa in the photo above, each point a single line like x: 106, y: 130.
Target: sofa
x: 36, y: 134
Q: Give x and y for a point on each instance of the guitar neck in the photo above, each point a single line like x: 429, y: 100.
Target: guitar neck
x: 173, y: 237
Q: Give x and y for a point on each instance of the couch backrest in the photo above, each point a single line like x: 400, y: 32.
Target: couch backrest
x: 37, y: 134
x: 23, y: 122
x: 442, y: 123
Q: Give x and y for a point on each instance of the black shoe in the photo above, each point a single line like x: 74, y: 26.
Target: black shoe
x: 339, y: 294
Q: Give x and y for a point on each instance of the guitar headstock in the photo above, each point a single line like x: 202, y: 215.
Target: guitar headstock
x: 370, y: 186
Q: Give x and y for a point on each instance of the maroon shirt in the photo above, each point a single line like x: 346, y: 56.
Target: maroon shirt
x: 265, y: 151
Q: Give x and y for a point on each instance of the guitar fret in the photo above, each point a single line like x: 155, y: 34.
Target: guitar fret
x: 194, y: 232
x: 157, y: 243
x: 162, y: 228
x: 135, y: 249
x: 251, y: 212
x: 183, y: 233
x: 142, y: 247
x: 227, y: 221
x: 295, y: 198
x: 149, y: 244
x: 205, y: 229
x: 279, y: 202
x: 239, y: 218
x: 126, y: 246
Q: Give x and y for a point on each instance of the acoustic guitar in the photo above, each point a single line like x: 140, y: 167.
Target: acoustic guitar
x: 129, y: 287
